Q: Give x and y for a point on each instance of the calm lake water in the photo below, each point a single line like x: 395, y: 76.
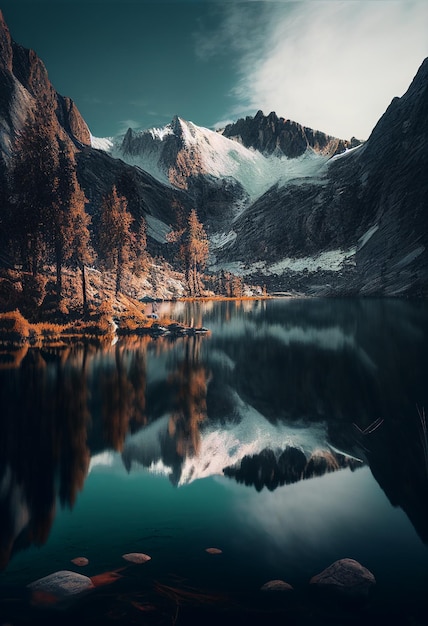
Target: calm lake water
x: 288, y: 437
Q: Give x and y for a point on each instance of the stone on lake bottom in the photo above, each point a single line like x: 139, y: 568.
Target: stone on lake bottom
x: 62, y: 584
x: 213, y: 550
x: 80, y: 560
x: 136, y: 557
x: 347, y: 577
x: 276, y: 585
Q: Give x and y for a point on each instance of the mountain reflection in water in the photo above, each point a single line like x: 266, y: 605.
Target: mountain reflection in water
x: 279, y: 392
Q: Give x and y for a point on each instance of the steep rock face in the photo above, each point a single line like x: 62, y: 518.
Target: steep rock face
x: 166, y: 149
x: 71, y: 120
x: 275, y: 135
x: 393, y: 168
x: 25, y: 86
x: 371, y: 199
x: 5, y: 45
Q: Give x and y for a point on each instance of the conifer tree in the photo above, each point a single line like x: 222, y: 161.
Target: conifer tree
x: 194, y: 252
x: 68, y: 222
x: 35, y: 182
x: 115, y: 236
x: 80, y: 250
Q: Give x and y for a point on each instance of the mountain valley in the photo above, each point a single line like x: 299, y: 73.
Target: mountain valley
x: 282, y: 205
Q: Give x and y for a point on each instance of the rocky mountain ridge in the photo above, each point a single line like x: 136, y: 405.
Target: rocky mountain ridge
x: 368, y: 204
x: 25, y: 86
x: 275, y: 135
x: 283, y: 204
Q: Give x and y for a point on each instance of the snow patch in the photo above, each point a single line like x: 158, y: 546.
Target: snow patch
x: 331, y: 261
x: 347, y: 152
x: 157, y: 229
x: 219, y: 240
x: 160, y: 468
x: 328, y: 261
x: 161, y: 133
x: 103, y: 459
x: 102, y: 143
x: 406, y: 260
x: 367, y: 235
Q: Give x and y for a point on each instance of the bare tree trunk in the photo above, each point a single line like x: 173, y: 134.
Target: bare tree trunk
x: 118, y: 271
x: 85, y: 300
x: 58, y: 258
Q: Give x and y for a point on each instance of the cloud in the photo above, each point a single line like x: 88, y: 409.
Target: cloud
x: 223, y: 123
x: 331, y: 65
x: 241, y: 31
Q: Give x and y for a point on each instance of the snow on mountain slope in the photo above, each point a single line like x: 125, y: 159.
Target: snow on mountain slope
x: 102, y: 143
x: 182, y: 149
x: 147, y: 159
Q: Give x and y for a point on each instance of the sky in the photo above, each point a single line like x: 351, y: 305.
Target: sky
x: 331, y: 65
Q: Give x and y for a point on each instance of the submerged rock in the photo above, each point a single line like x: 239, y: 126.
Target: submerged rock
x: 136, y: 557
x: 62, y: 584
x: 347, y: 577
x: 81, y: 561
x: 276, y: 585
x: 213, y: 550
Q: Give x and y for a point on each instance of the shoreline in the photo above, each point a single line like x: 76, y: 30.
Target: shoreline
x: 17, y: 331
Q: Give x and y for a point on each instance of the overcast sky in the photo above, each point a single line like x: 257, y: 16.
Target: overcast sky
x: 332, y: 65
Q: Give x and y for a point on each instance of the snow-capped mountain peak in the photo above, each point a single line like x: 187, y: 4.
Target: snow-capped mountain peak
x: 181, y: 151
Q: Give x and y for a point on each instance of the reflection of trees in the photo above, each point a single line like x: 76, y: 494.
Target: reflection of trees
x: 44, y: 425
x: 123, y: 386
x: 13, y: 356
x: 190, y: 402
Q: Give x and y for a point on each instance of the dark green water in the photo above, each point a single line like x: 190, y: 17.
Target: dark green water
x: 250, y: 439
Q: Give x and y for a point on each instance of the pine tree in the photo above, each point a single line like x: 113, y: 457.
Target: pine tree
x: 194, y: 252
x: 80, y: 250
x: 34, y: 182
x: 115, y: 237
x: 68, y: 221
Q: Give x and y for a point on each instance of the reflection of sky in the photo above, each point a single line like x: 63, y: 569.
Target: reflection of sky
x: 307, y: 525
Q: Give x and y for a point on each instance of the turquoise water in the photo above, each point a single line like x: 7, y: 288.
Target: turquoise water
x: 171, y: 447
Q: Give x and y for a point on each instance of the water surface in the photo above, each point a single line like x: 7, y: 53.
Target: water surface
x: 289, y: 437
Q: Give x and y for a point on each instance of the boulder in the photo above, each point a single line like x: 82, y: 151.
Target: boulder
x: 276, y: 585
x: 346, y: 577
x: 136, y: 557
x: 81, y: 561
x: 213, y: 550
x: 62, y: 584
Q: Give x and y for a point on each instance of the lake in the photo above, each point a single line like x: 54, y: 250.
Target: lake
x: 288, y: 437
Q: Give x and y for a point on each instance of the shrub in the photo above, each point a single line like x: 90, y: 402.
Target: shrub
x: 14, y: 326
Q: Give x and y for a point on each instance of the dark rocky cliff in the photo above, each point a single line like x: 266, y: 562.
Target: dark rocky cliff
x: 275, y: 135
x: 25, y: 86
x: 373, y: 198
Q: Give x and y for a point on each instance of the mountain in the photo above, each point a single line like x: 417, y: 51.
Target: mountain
x: 222, y: 175
x: 275, y: 135
x: 283, y: 204
x: 25, y: 87
x: 361, y: 226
